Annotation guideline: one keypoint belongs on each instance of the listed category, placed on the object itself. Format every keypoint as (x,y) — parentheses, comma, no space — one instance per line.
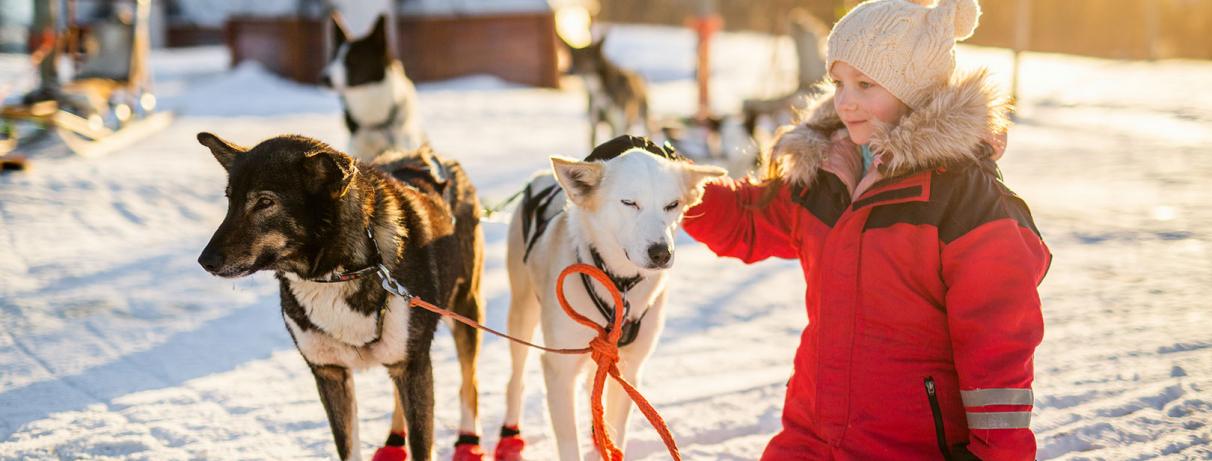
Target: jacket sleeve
(992,272)
(732,221)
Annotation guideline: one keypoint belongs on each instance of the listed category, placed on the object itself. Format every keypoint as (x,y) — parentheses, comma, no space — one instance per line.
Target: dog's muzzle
(660,255)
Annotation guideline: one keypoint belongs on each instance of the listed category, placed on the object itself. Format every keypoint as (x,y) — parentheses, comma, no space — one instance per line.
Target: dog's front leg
(560,372)
(336,388)
(414,382)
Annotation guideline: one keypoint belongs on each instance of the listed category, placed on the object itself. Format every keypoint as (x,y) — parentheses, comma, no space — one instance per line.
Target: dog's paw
(390,453)
(468,452)
(509,449)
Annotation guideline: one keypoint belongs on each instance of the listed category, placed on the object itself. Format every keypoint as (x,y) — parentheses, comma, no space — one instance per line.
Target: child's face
(859,100)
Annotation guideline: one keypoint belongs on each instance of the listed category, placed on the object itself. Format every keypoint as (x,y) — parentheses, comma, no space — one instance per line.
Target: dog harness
(428,169)
(535,217)
(534,214)
(630,327)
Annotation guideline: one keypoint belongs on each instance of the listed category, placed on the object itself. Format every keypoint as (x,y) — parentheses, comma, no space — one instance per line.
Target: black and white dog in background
(380,102)
(380,105)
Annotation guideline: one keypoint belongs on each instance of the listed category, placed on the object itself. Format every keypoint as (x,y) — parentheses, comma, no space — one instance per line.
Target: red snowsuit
(927,278)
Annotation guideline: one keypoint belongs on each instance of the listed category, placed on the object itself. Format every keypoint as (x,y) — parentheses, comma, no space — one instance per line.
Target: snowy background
(114,343)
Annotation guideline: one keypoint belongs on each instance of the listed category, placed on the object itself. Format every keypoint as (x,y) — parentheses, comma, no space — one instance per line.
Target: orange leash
(603,349)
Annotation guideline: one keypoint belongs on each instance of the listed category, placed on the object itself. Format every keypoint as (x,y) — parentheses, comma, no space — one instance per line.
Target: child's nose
(844,103)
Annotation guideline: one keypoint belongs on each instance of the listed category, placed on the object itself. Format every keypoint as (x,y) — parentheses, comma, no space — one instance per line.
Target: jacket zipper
(931,394)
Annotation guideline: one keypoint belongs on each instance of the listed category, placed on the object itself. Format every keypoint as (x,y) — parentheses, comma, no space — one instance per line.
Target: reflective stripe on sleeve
(999,420)
(1005,396)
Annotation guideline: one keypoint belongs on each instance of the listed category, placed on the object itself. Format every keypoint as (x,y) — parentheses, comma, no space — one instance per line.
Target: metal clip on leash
(392,285)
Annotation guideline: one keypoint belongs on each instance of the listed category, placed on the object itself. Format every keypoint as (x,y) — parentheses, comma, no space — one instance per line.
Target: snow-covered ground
(115,344)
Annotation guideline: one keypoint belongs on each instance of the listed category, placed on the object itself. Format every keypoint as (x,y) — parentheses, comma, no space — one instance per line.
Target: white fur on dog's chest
(341,330)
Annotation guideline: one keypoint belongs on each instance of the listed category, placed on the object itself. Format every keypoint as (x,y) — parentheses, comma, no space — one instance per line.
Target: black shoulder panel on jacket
(826,199)
(962,198)
(974,196)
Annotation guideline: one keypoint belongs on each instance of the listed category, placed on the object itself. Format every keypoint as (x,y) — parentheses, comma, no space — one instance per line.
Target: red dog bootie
(393,450)
(510,447)
(467,448)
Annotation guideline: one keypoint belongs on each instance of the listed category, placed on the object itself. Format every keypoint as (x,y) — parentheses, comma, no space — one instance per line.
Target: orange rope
(603,349)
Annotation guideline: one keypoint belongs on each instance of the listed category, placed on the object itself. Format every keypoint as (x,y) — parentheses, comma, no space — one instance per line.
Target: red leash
(604,351)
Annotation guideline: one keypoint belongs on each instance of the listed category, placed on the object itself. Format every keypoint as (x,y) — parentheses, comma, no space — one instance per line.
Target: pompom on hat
(908,47)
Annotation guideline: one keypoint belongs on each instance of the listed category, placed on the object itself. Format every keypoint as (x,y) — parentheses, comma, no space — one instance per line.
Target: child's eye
(836,83)
(865,85)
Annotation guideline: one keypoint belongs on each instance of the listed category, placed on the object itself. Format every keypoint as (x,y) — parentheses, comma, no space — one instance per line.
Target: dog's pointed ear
(224,151)
(378,35)
(578,179)
(331,171)
(339,35)
(696,175)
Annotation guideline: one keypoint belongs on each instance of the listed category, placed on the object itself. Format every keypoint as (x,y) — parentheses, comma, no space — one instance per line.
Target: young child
(921,266)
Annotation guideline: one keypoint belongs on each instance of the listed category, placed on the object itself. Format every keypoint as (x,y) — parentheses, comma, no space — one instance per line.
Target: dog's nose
(659,254)
(210,261)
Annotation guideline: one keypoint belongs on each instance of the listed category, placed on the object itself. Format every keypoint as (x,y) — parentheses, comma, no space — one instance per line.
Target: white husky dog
(620,215)
(380,101)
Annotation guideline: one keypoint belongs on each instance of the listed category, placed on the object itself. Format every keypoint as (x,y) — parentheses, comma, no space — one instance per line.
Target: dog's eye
(263,203)
(630,203)
(672,205)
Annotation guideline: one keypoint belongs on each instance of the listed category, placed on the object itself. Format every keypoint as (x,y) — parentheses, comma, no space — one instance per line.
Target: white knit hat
(908,47)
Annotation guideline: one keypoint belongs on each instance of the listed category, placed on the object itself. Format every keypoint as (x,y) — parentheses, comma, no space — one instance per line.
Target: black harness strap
(615,147)
(440,175)
(429,169)
(630,327)
(534,207)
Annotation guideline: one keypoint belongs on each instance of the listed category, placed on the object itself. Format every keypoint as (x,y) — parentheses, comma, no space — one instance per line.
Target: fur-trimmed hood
(949,128)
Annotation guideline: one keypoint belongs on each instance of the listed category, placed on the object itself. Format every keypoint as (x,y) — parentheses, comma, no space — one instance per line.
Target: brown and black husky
(323,223)
(616,96)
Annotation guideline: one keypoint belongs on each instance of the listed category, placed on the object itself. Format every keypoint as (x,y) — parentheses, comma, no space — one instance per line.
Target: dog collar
(375,267)
(388,282)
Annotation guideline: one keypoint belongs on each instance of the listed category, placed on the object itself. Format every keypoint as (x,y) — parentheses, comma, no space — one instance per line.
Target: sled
(106,105)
